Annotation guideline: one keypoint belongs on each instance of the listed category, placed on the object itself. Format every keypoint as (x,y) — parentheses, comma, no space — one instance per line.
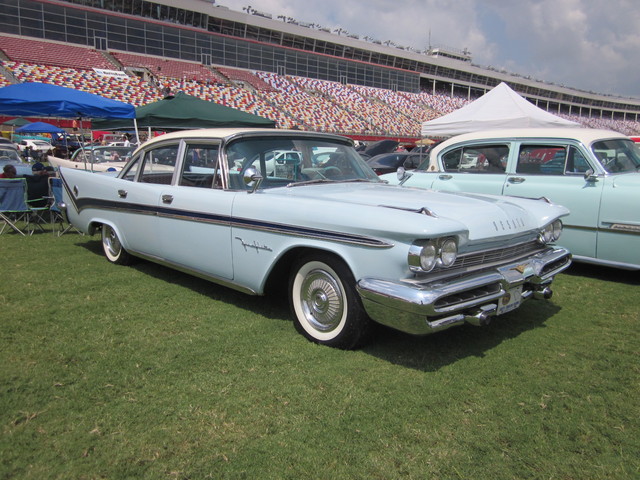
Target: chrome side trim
(195,273)
(625,228)
(621,228)
(606,263)
(81,204)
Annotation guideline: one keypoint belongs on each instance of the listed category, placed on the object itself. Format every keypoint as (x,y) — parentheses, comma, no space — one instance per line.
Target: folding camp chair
(14,206)
(55,194)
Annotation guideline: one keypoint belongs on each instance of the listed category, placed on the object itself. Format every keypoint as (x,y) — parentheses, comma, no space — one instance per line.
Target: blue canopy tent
(42,99)
(39,127)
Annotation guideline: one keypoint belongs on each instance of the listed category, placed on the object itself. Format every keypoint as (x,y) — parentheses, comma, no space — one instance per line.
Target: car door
(557,171)
(478,168)
(135,213)
(194,225)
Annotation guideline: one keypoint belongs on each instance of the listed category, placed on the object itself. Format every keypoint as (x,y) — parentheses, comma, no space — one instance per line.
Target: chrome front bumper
(426,307)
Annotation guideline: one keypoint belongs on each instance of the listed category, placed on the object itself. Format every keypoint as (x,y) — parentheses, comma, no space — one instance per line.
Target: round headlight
(428,257)
(557,229)
(547,234)
(448,252)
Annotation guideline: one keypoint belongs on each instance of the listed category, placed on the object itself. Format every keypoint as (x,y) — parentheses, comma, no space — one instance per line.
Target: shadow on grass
(269,307)
(607,274)
(432,352)
(425,353)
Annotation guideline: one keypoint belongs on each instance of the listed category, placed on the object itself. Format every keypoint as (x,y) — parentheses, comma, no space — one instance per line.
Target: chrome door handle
(122,193)
(167,198)
(445,177)
(516,180)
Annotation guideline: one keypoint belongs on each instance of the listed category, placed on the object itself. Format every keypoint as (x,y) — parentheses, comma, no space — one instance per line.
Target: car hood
(407,209)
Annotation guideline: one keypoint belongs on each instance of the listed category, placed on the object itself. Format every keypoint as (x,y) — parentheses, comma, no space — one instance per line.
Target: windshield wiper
(329,180)
(311,182)
(356,180)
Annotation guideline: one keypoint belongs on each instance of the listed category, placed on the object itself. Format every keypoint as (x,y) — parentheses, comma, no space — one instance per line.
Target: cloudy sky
(587,44)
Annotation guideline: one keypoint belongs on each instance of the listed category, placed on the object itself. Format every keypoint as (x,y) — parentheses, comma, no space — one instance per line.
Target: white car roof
(220,133)
(584,135)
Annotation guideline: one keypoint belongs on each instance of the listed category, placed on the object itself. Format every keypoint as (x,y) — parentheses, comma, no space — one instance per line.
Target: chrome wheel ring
(111,242)
(322,300)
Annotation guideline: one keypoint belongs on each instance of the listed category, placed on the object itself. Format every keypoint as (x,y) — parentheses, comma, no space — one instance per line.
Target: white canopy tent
(501,107)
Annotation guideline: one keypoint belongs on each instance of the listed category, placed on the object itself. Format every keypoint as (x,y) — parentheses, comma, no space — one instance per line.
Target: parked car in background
(592,172)
(64,144)
(276,160)
(36,149)
(96,159)
(390,162)
(11,155)
(378,147)
(6,142)
(348,248)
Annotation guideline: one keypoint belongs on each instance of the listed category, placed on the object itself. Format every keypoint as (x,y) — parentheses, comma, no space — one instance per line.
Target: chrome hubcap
(111,242)
(322,300)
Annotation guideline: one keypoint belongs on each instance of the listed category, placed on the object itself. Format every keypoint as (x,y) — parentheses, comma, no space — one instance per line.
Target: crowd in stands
(293,102)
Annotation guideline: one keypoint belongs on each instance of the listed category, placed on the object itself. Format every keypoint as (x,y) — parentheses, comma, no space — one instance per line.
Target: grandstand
(296,74)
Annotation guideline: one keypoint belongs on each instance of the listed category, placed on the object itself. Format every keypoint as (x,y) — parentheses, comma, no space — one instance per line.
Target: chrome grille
(467,296)
(500,255)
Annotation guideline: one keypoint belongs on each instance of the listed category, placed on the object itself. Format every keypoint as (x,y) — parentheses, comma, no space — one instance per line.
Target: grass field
(143,372)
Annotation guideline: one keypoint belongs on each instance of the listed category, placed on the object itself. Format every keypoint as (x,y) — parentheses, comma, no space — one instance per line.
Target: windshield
(103,154)
(618,155)
(289,161)
(9,155)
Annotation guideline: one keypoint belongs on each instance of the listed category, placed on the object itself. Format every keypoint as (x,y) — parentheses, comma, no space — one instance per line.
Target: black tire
(325,305)
(113,248)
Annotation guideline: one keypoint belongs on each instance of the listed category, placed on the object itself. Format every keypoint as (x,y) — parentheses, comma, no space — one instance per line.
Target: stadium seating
(130,89)
(169,67)
(52,53)
(244,76)
(293,102)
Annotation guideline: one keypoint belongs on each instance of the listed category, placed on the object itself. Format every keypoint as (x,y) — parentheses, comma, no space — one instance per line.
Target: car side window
(576,162)
(200,167)
(159,165)
(132,170)
(477,159)
(542,159)
(451,160)
(551,160)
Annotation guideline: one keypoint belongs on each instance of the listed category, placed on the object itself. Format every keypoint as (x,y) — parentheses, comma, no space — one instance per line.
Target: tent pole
(135,125)
(84,155)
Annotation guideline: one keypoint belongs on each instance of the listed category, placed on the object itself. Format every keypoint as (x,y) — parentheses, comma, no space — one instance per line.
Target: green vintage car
(592,172)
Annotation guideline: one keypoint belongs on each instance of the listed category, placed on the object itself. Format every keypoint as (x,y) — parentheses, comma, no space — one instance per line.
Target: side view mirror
(590,177)
(252,178)
(403,175)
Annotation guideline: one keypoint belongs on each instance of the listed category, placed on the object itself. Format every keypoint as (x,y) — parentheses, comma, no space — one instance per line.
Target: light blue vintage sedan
(227,206)
(592,172)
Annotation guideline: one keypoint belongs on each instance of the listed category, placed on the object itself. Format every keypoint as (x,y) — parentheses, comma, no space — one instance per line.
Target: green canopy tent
(183,111)
(17,122)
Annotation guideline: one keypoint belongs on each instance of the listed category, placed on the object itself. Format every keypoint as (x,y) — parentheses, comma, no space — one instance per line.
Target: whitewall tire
(325,304)
(112,247)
